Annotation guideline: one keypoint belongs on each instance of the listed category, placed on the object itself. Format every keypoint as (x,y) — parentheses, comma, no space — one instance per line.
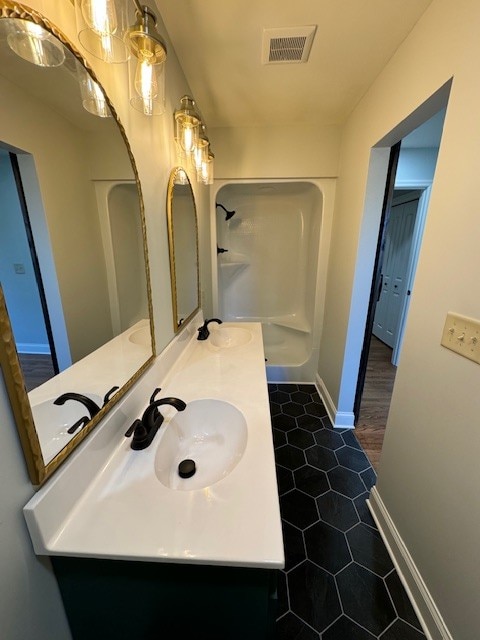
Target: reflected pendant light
(33,43)
(93,98)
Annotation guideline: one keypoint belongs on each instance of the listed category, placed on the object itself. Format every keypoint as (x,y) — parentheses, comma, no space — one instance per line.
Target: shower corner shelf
(290,322)
(231,269)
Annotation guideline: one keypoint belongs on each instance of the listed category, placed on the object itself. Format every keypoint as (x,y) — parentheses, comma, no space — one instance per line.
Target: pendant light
(187,124)
(93,98)
(33,43)
(101,26)
(200,153)
(146,67)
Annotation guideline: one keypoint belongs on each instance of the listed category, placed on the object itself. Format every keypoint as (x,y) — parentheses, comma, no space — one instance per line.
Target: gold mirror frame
(9,361)
(173,251)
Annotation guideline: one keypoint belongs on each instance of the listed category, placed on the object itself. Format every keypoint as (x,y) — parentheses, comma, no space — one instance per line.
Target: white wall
(294,151)
(417,165)
(429,472)
(30,605)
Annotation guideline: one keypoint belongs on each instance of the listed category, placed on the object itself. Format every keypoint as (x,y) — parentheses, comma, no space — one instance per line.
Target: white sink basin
(221,336)
(212,433)
(53,421)
(141,337)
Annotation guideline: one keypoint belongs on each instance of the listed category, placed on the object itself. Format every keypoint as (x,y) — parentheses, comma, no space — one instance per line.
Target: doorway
(399,246)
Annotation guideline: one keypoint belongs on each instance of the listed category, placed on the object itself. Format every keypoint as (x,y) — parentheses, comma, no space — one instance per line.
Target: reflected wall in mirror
(183,245)
(75,312)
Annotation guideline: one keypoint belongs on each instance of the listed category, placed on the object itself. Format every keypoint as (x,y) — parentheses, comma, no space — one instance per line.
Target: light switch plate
(462,335)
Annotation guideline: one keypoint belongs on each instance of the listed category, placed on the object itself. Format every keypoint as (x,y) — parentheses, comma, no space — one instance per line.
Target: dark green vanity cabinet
(125,600)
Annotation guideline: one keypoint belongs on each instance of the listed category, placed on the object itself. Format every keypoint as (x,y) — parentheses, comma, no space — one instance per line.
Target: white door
(398,245)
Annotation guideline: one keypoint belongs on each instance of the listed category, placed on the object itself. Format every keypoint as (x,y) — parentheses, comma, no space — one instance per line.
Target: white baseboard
(417,591)
(339,419)
(33,348)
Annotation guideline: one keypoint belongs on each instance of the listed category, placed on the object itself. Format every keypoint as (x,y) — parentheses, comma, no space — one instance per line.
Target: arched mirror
(183,244)
(75,306)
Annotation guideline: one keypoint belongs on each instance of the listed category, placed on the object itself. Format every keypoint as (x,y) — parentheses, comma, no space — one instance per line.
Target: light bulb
(188,138)
(146,85)
(100,15)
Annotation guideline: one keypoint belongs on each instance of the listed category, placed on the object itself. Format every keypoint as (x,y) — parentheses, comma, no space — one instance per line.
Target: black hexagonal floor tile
(279,397)
(327,547)
(402,604)
(283,422)
(337,510)
(298,509)
(402,631)
(327,423)
(300,397)
(368,549)
(293,545)
(284,480)
(309,423)
(345,629)
(300,438)
(279,438)
(289,457)
(292,628)
(352,459)
(363,511)
(289,387)
(321,458)
(365,598)
(351,439)
(316,409)
(308,388)
(330,439)
(345,481)
(313,595)
(311,481)
(282,594)
(275,409)
(369,478)
(293,409)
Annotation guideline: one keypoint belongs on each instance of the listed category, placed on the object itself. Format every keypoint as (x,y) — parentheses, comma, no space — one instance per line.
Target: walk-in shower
(271,259)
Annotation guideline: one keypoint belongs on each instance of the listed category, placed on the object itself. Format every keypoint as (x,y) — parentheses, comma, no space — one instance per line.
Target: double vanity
(128,534)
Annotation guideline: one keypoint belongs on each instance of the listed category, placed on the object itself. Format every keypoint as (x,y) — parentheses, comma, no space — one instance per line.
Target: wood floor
(370,428)
(36,369)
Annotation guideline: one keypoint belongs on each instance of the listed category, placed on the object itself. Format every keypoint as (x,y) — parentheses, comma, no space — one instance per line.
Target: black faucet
(144,429)
(91,406)
(203,331)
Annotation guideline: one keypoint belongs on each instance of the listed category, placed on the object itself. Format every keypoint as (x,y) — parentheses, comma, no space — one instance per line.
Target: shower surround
(271,259)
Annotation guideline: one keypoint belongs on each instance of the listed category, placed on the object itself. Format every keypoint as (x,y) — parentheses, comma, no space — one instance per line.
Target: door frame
(377,274)
(426,187)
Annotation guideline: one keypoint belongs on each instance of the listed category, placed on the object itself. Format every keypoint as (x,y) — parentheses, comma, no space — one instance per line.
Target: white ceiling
(219,45)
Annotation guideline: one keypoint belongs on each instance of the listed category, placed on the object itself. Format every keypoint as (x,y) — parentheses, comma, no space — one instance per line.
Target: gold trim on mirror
(9,361)
(176,250)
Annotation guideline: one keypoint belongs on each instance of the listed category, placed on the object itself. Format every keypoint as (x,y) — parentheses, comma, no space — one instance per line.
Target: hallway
(377,392)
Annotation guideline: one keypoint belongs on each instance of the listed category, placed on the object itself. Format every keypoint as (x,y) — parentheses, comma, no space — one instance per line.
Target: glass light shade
(187,125)
(33,43)
(146,66)
(200,153)
(93,98)
(101,26)
(205,175)
(181,177)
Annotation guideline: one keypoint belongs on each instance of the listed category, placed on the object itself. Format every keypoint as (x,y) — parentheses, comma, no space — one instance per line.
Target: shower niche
(271,260)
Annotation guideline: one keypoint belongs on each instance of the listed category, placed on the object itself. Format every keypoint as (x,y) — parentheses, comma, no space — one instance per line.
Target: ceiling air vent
(287,44)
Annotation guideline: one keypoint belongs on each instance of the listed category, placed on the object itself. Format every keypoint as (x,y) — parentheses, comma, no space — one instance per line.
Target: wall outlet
(462,335)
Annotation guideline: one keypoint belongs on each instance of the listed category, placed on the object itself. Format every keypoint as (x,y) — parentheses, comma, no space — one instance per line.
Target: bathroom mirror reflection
(75,312)
(183,244)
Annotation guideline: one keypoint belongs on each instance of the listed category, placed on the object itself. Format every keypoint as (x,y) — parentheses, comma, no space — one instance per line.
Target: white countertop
(125,512)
